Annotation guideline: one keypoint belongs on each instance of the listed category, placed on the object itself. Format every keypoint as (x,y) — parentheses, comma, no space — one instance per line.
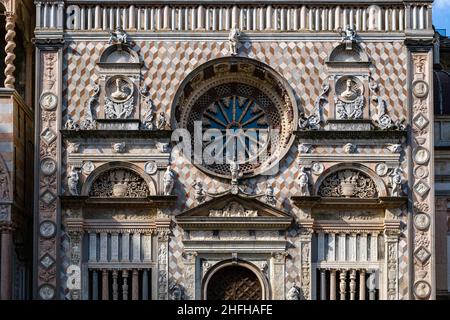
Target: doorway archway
(231,281)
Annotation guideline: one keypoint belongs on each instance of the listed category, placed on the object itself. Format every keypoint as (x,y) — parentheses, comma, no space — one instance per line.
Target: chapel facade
(324,110)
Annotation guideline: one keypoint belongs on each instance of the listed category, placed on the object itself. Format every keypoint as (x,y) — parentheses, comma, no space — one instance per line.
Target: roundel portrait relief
(236,110)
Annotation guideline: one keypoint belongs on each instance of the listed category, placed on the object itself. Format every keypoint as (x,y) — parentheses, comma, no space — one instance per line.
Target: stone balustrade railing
(180,17)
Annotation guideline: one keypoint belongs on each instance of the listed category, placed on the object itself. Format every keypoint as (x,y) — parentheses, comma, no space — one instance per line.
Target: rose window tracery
(246,115)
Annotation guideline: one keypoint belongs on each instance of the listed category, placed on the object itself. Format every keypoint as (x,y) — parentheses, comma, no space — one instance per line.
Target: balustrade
(221,17)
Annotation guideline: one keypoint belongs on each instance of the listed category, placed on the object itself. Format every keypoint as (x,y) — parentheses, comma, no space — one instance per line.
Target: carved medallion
(88,167)
(420,121)
(421,172)
(47,292)
(48,166)
(48,136)
(49,101)
(422,289)
(47,261)
(422,221)
(348,88)
(381,169)
(420,88)
(421,188)
(47,229)
(150,167)
(317,168)
(421,155)
(119,89)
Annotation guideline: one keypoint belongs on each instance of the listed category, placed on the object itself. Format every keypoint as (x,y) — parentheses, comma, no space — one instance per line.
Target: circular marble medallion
(421,172)
(421,155)
(381,169)
(47,229)
(47,292)
(420,88)
(317,168)
(48,166)
(150,167)
(422,221)
(49,101)
(422,289)
(88,167)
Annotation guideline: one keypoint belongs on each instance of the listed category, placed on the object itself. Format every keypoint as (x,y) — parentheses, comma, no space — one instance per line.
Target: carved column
(125,284)
(391,263)
(323,285)
(9,50)
(105,287)
(332,284)
(353,284)
(343,284)
(135,285)
(421,217)
(6,263)
(190,275)
(277,275)
(74,269)
(47,183)
(162,227)
(305,251)
(362,284)
(115,285)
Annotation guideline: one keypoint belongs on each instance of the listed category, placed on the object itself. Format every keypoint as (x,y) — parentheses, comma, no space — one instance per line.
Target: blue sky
(441,15)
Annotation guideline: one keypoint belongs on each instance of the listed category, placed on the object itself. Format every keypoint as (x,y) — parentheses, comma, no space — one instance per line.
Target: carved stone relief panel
(48,189)
(423,184)
(119,183)
(348,183)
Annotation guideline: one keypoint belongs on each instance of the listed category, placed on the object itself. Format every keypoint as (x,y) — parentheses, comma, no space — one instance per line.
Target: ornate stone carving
(4,182)
(73,180)
(422,289)
(348,37)
(304,147)
(293,293)
(234,37)
(317,168)
(73,147)
(70,124)
(119,101)
(315,120)
(119,147)
(420,89)
(49,101)
(422,221)
(119,36)
(47,292)
(150,167)
(421,155)
(200,193)
(269,196)
(148,121)
(176,292)
(47,229)
(163,147)
(381,169)
(392,270)
(161,123)
(349,148)
(303,181)
(348,183)
(9,50)
(233,209)
(88,167)
(349,100)
(394,147)
(89,123)
(119,183)
(397,182)
(305,270)
(168,181)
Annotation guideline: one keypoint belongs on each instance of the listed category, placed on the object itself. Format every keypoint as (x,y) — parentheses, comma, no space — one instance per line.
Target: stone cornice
(95,134)
(348,203)
(394,135)
(234,223)
(148,202)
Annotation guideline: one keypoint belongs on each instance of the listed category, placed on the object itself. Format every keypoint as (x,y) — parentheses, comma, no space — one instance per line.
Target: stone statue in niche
(303,181)
(396,182)
(118,36)
(168,181)
(72,181)
(372,22)
(293,293)
(233,40)
(349,100)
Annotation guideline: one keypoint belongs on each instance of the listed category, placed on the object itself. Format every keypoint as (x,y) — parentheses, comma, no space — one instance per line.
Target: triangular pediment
(234,206)
(234,212)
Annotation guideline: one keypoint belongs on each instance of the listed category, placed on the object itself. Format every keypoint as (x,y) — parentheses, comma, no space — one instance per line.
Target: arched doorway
(234,282)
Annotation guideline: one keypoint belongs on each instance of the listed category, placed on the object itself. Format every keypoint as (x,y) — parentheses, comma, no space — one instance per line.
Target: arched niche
(342,55)
(125,173)
(364,171)
(223,265)
(119,54)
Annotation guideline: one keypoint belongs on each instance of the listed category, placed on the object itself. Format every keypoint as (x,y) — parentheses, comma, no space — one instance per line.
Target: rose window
(243,114)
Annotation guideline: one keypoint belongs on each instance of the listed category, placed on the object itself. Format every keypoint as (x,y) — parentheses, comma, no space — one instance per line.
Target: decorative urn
(348,189)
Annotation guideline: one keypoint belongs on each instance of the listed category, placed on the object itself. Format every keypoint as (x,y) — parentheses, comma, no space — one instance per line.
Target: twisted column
(9,49)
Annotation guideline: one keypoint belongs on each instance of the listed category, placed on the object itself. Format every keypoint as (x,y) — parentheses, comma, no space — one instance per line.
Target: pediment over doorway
(234,212)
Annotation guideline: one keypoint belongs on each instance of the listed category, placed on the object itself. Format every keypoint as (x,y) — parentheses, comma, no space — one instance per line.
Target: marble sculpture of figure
(168,181)
(304,182)
(396,181)
(73,181)
(233,39)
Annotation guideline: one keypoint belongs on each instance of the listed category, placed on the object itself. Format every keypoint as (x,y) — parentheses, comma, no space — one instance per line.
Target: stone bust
(349,94)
